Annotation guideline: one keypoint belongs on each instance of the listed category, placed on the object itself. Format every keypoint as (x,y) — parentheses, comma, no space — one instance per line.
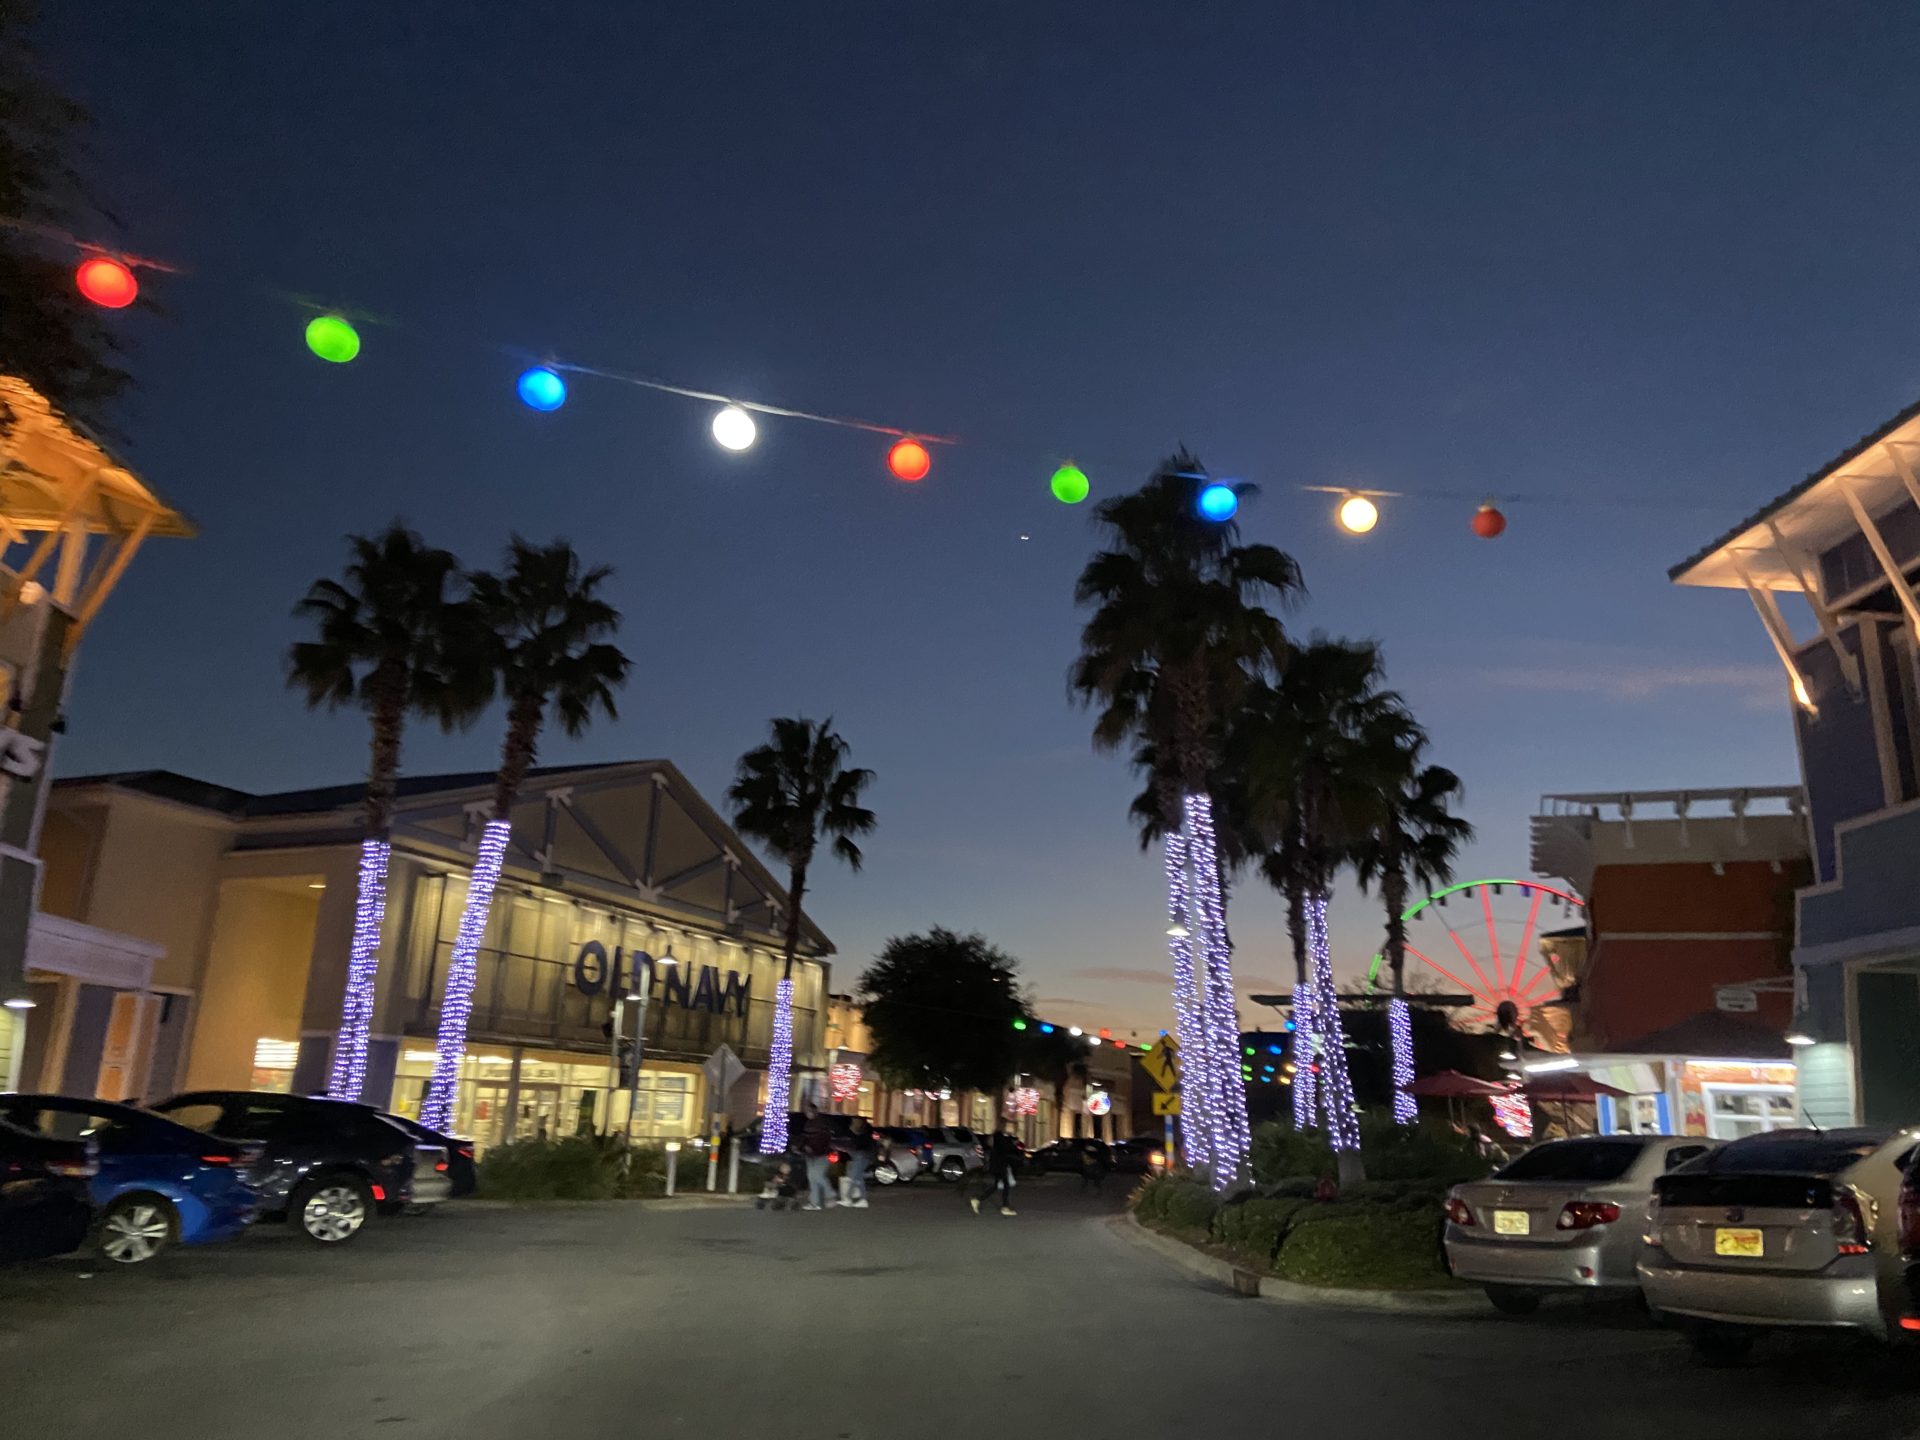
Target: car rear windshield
(1579,1160)
(1789,1155)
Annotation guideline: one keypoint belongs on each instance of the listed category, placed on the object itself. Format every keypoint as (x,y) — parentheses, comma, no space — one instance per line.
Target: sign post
(1162,1064)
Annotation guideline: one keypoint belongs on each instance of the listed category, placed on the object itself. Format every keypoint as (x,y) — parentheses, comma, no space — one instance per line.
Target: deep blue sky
(1575,251)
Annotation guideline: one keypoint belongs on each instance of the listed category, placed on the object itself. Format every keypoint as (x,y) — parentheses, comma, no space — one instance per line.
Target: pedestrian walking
(1093,1167)
(860,1148)
(816,1147)
(1001,1158)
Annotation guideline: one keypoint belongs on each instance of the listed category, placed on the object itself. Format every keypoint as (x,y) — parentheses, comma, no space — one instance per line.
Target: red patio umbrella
(1570,1085)
(1453,1085)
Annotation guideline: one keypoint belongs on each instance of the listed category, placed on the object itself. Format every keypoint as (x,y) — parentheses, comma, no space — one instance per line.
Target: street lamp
(644,974)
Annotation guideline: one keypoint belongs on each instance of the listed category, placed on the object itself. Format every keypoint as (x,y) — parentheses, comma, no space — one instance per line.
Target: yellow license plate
(1510,1222)
(1747,1243)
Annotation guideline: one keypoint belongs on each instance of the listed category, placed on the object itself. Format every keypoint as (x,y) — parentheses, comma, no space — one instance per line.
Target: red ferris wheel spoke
(1487,991)
(1493,939)
(1525,997)
(1522,955)
(1431,964)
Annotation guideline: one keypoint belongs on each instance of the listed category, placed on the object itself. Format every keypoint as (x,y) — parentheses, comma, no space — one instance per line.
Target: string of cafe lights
(106,276)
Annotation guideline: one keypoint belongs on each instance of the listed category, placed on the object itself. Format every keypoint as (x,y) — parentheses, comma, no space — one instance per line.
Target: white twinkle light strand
(1305,1052)
(348,1076)
(1406,1109)
(773,1122)
(456,1005)
(1220,1017)
(1186,1014)
(1336,1087)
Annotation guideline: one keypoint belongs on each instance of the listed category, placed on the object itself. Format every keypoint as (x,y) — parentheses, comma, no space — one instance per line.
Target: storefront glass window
(273,1065)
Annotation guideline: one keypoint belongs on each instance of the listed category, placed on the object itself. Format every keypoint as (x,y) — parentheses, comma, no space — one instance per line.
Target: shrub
(1362,1247)
(576,1168)
(1190,1205)
(1149,1199)
(1429,1151)
(1253,1229)
(1281,1152)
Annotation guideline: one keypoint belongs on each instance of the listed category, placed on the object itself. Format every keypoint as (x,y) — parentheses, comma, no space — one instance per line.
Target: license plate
(1510,1222)
(1747,1243)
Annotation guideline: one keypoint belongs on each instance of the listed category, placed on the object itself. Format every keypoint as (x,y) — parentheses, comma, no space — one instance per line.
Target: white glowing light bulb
(733,428)
(1358,514)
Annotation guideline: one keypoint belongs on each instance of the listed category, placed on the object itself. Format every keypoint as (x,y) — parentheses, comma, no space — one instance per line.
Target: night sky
(1647,263)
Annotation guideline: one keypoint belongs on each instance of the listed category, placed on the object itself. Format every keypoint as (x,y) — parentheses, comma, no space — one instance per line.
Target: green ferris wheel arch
(1489,991)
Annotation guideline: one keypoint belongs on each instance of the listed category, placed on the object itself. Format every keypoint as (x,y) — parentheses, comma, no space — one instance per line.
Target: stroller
(780,1192)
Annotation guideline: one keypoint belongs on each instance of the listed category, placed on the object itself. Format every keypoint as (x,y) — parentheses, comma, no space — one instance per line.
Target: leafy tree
(1178,636)
(50,336)
(941,1008)
(791,794)
(542,628)
(393,641)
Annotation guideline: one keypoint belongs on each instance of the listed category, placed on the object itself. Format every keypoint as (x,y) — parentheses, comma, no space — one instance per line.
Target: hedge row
(1377,1235)
(574,1168)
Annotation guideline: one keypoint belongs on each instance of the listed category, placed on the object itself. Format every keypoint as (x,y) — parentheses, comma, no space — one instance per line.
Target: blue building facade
(1843,548)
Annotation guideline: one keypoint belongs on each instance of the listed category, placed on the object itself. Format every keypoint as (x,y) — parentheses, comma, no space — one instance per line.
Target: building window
(273,1065)
(1747,1110)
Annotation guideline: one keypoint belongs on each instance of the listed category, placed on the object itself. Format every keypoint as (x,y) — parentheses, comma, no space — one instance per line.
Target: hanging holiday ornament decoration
(541,388)
(1357,514)
(1217,502)
(1069,484)
(733,429)
(1488,522)
(909,460)
(332,339)
(106,282)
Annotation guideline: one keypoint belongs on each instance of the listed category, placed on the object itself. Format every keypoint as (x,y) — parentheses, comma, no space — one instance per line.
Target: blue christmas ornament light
(1218,502)
(542,388)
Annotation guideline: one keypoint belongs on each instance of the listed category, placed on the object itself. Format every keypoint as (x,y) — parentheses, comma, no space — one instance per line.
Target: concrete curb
(1286,1292)
(693,1200)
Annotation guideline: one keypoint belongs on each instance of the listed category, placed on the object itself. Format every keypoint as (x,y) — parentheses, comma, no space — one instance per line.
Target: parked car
(1565,1215)
(899,1154)
(1797,1228)
(1140,1155)
(463,1174)
(157,1183)
(951,1151)
(44,1206)
(1907,1220)
(1072,1152)
(326,1164)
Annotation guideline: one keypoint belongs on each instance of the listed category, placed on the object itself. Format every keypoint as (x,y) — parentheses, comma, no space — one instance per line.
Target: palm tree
(1177,638)
(790,794)
(1318,750)
(543,627)
(389,644)
(1413,842)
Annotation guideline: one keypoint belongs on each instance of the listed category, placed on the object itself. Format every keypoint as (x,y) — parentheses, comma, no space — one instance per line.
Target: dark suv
(326,1164)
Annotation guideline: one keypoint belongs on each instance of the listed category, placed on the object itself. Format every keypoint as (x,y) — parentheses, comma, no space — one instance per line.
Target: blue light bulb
(542,389)
(1218,502)
(1046,1029)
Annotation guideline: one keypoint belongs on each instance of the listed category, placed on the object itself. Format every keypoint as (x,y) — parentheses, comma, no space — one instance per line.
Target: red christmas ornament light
(106,282)
(1488,521)
(909,460)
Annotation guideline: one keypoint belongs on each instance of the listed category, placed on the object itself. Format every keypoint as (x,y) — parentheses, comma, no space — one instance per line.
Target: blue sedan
(159,1183)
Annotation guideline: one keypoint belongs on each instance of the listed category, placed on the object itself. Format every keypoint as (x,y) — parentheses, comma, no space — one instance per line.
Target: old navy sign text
(594,973)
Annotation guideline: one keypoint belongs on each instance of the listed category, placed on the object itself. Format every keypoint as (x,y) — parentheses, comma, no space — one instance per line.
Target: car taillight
(441,1166)
(216,1159)
(1156,1158)
(1852,1232)
(1458,1212)
(75,1169)
(1585,1214)
(466,1151)
(379,1193)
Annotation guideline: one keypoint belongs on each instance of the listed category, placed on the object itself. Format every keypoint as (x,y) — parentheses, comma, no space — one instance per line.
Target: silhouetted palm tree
(1319,750)
(1412,842)
(790,794)
(543,631)
(390,643)
(1177,638)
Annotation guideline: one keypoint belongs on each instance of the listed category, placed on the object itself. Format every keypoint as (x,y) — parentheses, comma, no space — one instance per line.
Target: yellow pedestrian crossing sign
(1162,1064)
(1165,1104)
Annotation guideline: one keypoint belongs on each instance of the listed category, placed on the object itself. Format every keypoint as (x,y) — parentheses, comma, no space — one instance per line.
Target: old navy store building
(237,909)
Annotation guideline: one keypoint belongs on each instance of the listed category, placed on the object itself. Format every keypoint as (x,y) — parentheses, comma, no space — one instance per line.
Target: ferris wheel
(1481,937)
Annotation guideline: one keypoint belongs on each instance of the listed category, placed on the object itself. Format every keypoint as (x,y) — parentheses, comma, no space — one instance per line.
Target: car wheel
(886,1173)
(136,1228)
(332,1209)
(1512,1300)
(1721,1345)
(952,1169)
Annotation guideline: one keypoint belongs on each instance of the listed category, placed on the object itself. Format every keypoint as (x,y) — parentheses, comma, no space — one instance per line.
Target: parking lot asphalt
(913,1318)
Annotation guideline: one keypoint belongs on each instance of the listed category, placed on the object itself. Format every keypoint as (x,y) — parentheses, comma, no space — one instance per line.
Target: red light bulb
(106,282)
(909,460)
(1488,522)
